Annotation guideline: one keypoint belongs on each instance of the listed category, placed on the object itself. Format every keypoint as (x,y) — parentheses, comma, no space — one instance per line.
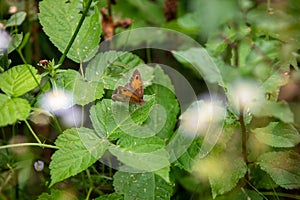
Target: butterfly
(132,92)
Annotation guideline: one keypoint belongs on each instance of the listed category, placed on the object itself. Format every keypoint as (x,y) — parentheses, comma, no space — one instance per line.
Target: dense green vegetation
(217,118)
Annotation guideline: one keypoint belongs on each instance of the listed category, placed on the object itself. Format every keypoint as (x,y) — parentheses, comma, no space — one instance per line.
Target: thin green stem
(81,70)
(89,193)
(148,53)
(57,124)
(244,140)
(86,9)
(292,196)
(21,55)
(256,190)
(109,7)
(90,183)
(89,177)
(32,132)
(28,144)
(25,62)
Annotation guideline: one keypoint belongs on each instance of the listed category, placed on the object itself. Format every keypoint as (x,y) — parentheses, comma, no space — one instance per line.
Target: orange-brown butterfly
(132,92)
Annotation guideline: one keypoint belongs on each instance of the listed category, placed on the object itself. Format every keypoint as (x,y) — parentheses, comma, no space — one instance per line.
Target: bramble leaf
(164,117)
(214,166)
(112,196)
(280,110)
(59,20)
(150,161)
(224,182)
(16,19)
(111,66)
(278,134)
(13,109)
(241,194)
(79,148)
(57,194)
(198,58)
(16,41)
(110,119)
(141,153)
(283,167)
(18,80)
(141,186)
(83,92)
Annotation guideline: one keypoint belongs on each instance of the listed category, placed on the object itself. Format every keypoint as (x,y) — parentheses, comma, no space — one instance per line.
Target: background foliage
(257,154)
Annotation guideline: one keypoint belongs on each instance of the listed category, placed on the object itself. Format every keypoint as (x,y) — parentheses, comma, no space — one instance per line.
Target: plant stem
(21,55)
(244,140)
(25,62)
(148,54)
(32,132)
(81,70)
(292,196)
(57,124)
(109,7)
(89,193)
(86,9)
(28,144)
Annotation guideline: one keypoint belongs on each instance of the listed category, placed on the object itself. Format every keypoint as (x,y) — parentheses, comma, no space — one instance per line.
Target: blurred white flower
(56,101)
(5,39)
(200,116)
(72,117)
(246,94)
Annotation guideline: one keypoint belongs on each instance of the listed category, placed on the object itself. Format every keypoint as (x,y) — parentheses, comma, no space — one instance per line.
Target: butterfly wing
(136,84)
(125,94)
(132,92)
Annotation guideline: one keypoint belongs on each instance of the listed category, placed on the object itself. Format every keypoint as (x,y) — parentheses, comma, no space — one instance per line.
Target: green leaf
(198,58)
(274,82)
(59,20)
(186,160)
(261,179)
(142,186)
(79,148)
(278,134)
(112,196)
(167,105)
(133,122)
(280,110)
(241,194)
(13,109)
(16,19)
(224,182)
(164,173)
(141,145)
(141,12)
(113,118)
(101,117)
(283,167)
(280,24)
(18,80)
(83,92)
(16,41)
(111,67)
(142,153)
(149,161)
(160,78)
(57,195)
(223,170)
(209,15)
